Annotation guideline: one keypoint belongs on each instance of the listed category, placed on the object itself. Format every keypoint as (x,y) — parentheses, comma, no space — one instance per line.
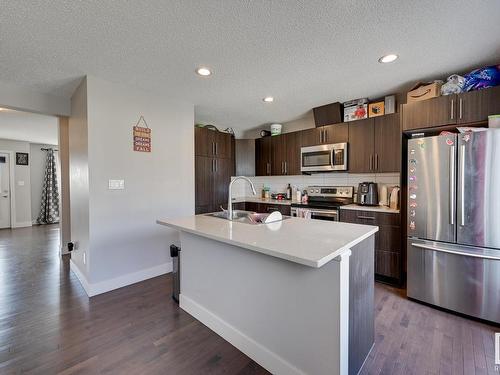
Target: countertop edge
(355,207)
(314,264)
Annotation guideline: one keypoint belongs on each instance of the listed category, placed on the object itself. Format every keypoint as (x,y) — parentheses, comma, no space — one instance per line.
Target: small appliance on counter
(367,194)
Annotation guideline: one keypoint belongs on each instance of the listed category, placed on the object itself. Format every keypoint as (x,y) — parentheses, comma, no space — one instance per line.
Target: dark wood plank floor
(49,326)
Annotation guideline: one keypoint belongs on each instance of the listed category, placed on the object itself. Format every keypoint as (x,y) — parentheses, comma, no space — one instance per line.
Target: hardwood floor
(49,326)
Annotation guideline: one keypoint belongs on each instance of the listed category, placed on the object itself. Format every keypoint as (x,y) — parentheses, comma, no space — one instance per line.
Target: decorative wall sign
(21,158)
(142,136)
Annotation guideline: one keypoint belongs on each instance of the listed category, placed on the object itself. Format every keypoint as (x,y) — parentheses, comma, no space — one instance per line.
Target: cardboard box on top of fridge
(423,91)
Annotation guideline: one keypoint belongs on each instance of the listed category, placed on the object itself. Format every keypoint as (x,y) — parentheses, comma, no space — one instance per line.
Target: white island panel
(290,318)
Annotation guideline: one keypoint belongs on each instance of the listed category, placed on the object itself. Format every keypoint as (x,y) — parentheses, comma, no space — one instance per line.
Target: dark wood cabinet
(387,143)
(375,145)
(328,114)
(263,156)
(476,106)
(264,207)
(214,166)
(278,155)
(336,133)
(293,145)
(311,137)
(388,249)
(429,113)
(464,108)
(361,147)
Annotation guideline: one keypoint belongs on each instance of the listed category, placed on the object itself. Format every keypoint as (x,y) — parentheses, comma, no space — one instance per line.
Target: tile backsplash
(278,184)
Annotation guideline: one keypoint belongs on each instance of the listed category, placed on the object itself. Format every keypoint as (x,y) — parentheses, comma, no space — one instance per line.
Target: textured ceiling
(30,127)
(304,53)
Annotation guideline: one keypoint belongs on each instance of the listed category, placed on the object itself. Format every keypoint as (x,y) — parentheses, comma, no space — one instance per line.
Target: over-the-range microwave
(324,158)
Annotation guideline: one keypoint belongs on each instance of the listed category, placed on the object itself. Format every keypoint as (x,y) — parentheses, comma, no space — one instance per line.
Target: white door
(4,190)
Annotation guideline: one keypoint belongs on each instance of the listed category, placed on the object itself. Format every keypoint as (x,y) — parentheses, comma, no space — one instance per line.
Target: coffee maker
(368,194)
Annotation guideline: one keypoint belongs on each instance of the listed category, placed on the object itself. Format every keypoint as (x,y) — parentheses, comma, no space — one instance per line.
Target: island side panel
(284,315)
(361,303)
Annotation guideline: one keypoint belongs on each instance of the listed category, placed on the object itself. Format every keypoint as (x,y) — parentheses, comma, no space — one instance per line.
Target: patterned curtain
(49,210)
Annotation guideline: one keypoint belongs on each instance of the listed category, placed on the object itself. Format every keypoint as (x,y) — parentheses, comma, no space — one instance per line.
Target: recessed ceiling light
(388,58)
(3,109)
(268,99)
(205,72)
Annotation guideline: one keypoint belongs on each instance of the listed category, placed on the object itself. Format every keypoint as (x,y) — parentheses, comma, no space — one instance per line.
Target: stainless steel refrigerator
(454,222)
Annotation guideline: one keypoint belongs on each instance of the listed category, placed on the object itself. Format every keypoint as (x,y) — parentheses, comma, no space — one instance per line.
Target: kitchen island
(296,296)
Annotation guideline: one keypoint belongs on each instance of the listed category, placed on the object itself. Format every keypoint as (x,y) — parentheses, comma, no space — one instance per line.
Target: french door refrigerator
(454,222)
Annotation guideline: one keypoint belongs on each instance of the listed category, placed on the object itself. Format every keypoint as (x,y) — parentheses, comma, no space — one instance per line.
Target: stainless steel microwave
(324,158)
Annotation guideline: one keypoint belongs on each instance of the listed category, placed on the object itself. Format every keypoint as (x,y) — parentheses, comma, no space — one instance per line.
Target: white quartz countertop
(309,242)
(369,208)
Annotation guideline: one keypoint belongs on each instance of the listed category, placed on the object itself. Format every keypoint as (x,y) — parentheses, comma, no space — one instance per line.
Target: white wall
(79,180)
(22,217)
(125,243)
(18,97)
(38,159)
(305,122)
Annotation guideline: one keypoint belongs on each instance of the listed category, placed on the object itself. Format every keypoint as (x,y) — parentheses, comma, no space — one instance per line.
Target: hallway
(49,326)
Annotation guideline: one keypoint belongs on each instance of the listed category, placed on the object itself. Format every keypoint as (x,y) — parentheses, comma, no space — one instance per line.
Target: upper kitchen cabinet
(375,145)
(464,108)
(361,146)
(263,156)
(429,113)
(476,106)
(212,143)
(285,154)
(336,133)
(387,143)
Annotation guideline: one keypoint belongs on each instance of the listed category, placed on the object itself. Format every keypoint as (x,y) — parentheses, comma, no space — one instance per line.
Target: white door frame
(12,185)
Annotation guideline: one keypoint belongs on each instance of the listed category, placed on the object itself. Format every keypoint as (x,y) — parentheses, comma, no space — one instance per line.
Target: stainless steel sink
(247,217)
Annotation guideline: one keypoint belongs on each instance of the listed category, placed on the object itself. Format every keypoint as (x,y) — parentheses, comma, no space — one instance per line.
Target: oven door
(324,158)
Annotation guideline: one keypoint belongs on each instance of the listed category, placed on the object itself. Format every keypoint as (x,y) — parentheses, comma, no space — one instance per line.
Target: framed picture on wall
(21,158)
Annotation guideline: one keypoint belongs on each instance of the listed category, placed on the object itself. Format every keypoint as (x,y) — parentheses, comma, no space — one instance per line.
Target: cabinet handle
(326,136)
(320,135)
(267,168)
(460,110)
(452,111)
(371,163)
(282,169)
(215,148)
(215,165)
(285,168)
(366,217)
(376,162)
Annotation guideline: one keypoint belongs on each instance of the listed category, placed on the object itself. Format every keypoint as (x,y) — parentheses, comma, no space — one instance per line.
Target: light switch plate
(20,183)
(116,184)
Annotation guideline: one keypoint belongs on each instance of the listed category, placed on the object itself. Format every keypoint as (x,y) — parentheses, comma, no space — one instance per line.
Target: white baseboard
(22,224)
(260,354)
(93,289)
(80,276)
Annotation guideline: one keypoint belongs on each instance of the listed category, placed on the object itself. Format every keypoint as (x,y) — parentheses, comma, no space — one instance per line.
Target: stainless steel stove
(324,202)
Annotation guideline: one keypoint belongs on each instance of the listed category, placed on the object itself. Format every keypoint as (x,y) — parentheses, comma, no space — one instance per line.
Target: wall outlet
(20,183)
(116,184)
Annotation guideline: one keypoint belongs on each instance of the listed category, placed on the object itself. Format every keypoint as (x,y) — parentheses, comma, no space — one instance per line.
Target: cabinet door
(311,137)
(476,106)
(222,147)
(204,182)
(278,152)
(429,113)
(361,147)
(337,133)
(204,141)
(222,178)
(292,153)
(387,143)
(263,156)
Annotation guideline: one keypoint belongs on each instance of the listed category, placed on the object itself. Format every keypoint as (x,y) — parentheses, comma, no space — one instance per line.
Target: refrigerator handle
(462,184)
(452,185)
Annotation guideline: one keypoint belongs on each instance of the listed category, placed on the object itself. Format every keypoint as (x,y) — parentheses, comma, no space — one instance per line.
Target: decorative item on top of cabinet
(328,114)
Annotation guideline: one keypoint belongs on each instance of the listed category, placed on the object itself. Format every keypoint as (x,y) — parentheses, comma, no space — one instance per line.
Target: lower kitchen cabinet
(388,249)
(263,207)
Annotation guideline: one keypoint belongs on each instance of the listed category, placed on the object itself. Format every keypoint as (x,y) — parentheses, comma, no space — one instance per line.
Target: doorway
(5,190)
(34,172)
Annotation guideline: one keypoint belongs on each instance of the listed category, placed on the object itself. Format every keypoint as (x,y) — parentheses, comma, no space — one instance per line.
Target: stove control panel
(331,191)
